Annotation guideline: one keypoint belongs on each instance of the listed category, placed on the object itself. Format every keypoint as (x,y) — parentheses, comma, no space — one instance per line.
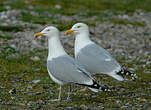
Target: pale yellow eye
(78,26)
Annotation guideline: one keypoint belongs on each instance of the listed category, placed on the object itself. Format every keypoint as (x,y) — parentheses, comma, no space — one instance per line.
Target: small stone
(12,91)
(13,46)
(30,7)
(3,17)
(58,6)
(36,81)
(84,107)
(8,7)
(1,86)
(30,103)
(118,101)
(41,102)
(69,107)
(35,58)
(125,17)
(12,97)
(22,104)
(125,106)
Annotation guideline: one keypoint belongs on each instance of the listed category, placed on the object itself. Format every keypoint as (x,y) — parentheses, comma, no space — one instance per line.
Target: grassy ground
(18,75)
(75,6)
(87,8)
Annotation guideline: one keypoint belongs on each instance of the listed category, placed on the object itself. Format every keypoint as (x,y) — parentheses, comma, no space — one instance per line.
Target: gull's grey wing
(67,70)
(96,59)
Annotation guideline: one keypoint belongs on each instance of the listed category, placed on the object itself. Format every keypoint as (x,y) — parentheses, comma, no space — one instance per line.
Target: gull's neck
(55,48)
(81,40)
(83,37)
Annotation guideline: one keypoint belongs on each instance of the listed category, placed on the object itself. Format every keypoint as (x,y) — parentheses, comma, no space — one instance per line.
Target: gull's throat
(81,40)
(55,49)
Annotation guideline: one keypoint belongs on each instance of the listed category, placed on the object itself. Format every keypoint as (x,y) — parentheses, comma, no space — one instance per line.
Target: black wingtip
(99,87)
(96,87)
(104,88)
(123,72)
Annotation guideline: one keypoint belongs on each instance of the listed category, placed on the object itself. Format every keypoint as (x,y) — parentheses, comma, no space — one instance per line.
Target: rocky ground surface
(126,37)
(128,40)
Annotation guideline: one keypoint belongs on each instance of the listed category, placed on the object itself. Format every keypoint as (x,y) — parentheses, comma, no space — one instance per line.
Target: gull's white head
(49,32)
(78,28)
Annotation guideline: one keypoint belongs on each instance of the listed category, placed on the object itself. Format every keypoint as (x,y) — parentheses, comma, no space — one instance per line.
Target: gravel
(120,40)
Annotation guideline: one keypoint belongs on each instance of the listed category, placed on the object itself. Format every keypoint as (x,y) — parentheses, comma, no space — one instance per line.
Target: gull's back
(95,59)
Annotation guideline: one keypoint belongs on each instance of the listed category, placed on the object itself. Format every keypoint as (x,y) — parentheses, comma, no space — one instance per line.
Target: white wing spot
(127,73)
(108,59)
(132,74)
(95,85)
(79,71)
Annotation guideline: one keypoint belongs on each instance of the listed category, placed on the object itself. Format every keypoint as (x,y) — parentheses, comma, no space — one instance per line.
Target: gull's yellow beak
(38,35)
(69,31)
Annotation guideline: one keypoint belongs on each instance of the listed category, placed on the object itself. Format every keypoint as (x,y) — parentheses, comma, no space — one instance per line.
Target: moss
(14,4)
(2,9)
(76,6)
(11,28)
(42,19)
(33,19)
(125,22)
(6,37)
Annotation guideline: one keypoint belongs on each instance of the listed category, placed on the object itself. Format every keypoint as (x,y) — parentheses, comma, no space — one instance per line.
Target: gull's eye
(48,29)
(78,26)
